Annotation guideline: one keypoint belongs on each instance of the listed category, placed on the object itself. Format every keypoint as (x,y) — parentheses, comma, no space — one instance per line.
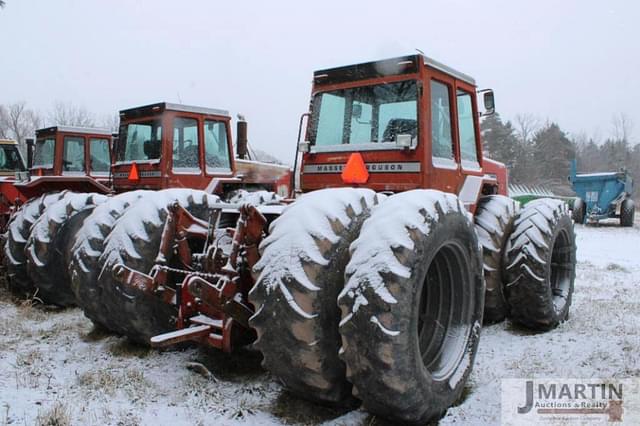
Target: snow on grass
(54,365)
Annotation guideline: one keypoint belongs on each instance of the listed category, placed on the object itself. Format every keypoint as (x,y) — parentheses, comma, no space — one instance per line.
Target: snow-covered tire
(48,247)
(258,197)
(134,242)
(87,248)
(16,237)
(494,222)
(412,306)
(301,273)
(579,211)
(541,265)
(627,213)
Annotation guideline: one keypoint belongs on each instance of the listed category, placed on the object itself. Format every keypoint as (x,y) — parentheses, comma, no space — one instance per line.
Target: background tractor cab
(395,125)
(11,160)
(72,151)
(66,157)
(168,145)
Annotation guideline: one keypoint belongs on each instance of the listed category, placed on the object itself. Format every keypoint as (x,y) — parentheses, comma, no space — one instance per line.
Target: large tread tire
(412,306)
(16,238)
(301,273)
(494,219)
(134,242)
(49,244)
(579,212)
(541,265)
(627,213)
(87,248)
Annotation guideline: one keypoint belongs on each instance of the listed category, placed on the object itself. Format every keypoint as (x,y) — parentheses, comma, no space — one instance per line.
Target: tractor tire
(87,249)
(134,242)
(494,222)
(48,247)
(541,265)
(412,306)
(579,211)
(627,213)
(301,273)
(258,197)
(16,237)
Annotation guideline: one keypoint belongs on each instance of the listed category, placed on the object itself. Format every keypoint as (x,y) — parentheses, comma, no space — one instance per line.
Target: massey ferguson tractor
(369,287)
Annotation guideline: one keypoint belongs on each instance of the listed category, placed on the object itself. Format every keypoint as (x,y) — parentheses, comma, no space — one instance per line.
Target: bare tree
(111,122)
(526,125)
(67,114)
(2,3)
(18,122)
(622,127)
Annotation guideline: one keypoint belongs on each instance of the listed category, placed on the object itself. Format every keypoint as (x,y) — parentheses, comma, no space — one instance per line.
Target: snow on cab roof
(391,66)
(76,129)
(178,107)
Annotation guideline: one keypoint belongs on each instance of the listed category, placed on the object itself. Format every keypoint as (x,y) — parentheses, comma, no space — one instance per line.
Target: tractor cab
(11,160)
(72,151)
(395,125)
(167,145)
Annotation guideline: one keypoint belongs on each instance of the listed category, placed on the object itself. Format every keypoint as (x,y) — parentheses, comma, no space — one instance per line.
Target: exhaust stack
(241,138)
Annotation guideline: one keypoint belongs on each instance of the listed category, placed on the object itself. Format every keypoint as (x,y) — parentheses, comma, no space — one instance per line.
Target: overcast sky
(576,62)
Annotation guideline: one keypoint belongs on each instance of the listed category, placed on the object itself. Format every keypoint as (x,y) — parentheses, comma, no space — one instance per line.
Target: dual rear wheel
(410,292)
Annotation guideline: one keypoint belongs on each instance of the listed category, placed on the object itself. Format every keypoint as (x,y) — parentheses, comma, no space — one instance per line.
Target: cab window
(186,156)
(73,154)
(442,141)
(43,154)
(216,146)
(468,150)
(99,154)
(10,159)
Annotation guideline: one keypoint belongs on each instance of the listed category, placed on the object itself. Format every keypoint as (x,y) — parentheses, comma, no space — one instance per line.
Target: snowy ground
(55,366)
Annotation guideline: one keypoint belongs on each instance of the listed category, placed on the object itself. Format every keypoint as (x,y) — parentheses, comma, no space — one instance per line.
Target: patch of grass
(57,415)
(110,381)
(30,368)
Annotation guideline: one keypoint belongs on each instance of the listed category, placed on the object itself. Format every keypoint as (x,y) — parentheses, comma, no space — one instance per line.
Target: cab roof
(8,142)
(393,66)
(167,106)
(75,129)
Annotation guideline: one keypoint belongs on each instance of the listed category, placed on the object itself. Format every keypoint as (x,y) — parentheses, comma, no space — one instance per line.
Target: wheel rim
(562,266)
(444,311)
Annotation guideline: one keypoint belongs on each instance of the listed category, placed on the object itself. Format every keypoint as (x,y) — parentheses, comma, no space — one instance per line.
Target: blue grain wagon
(602,196)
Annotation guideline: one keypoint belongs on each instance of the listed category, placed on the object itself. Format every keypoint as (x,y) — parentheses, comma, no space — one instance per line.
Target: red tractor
(372,285)
(159,146)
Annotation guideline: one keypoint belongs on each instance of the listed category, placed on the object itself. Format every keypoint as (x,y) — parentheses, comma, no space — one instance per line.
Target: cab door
(443,156)
(468,136)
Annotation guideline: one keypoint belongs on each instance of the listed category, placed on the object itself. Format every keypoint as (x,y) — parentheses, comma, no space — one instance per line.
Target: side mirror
(488,101)
(304,147)
(403,140)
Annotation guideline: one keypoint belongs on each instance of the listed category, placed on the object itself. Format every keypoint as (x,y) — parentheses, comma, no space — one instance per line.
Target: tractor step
(198,332)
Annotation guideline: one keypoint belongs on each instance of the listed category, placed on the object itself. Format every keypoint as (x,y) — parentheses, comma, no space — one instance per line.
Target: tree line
(19,122)
(539,152)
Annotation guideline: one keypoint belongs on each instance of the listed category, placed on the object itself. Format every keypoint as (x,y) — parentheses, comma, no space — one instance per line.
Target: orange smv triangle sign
(133,173)
(355,171)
